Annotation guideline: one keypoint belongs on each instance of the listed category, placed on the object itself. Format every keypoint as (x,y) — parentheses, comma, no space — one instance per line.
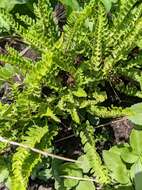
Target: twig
(102,125)
(78,178)
(24,51)
(111,122)
(16,38)
(65,138)
(46,154)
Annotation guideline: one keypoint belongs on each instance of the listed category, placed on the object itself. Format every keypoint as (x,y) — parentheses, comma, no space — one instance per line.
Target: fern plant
(68,79)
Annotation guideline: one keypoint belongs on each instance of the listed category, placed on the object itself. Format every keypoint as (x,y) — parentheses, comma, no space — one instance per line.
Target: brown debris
(60,15)
(66,79)
(122,130)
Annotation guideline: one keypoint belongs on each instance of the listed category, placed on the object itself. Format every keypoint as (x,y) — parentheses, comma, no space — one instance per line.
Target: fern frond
(39,71)
(100,30)
(121,50)
(125,7)
(128,24)
(20,177)
(130,90)
(86,135)
(25,19)
(108,112)
(75,22)
(14,58)
(8,18)
(45,13)
(131,73)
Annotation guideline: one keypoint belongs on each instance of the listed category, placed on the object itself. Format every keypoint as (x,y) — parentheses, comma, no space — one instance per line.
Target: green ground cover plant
(85,71)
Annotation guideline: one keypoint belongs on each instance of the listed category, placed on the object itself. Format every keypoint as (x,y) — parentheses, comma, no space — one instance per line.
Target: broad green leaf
(6,4)
(136,141)
(120,175)
(73,4)
(84,165)
(125,187)
(6,73)
(112,160)
(4,172)
(8,183)
(139,43)
(116,166)
(136,174)
(136,116)
(107,4)
(118,150)
(85,185)
(128,156)
(80,93)
(70,169)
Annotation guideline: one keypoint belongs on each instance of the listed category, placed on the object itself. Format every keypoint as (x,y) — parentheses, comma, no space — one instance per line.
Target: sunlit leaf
(70,169)
(73,4)
(116,166)
(6,4)
(136,116)
(80,93)
(85,185)
(136,141)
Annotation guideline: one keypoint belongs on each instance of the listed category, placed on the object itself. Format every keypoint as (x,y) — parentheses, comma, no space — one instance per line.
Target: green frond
(131,73)
(14,58)
(128,25)
(45,13)
(121,50)
(25,19)
(68,81)
(8,18)
(75,22)
(108,112)
(125,7)
(130,90)
(99,35)
(40,70)
(87,139)
(20,177)
(35,34)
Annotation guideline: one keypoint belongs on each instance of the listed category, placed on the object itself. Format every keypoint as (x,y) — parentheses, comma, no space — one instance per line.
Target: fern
(68,81)
(75,23)
(99,37)
(20,171)
(125,7)
(88,142)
